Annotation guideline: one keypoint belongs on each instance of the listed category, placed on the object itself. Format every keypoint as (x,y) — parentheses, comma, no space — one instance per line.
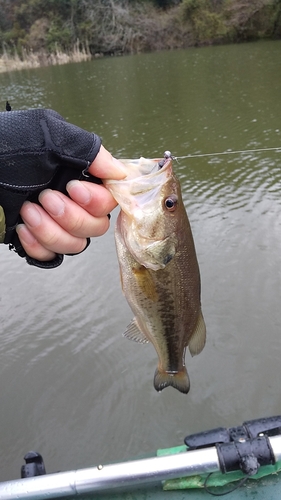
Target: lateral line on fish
(200,155)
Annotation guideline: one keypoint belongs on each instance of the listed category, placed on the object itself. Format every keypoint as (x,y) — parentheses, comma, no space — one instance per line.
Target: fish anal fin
(133,332)
(198,338)
(179,380)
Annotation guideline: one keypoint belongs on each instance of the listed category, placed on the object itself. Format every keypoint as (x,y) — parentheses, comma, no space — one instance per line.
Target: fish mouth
(141,187)
(142,175)
(144,166)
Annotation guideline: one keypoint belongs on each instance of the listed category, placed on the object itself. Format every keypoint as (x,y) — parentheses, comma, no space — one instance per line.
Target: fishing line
(201,155)
(235,487)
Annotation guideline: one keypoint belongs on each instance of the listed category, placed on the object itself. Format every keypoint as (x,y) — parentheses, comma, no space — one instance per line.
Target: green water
(70,386)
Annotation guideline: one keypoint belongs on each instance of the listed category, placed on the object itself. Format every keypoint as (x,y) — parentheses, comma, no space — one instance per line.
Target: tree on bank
(130,26)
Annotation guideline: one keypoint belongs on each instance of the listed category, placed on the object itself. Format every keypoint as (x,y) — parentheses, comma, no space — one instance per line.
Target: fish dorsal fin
(198,338)
(133,333)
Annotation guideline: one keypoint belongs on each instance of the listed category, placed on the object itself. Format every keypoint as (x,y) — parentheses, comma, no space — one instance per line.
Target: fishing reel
(245,448)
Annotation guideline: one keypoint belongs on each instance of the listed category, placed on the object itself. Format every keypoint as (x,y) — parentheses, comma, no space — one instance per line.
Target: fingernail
(25,235)
(52,202)
(31,216)
(78,192)
(119,165)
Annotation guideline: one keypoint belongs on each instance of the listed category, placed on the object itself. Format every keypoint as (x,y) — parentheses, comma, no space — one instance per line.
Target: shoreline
(31,60)
(42,59)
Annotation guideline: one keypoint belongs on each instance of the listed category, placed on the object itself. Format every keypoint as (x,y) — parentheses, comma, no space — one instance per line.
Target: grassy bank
(44,32)
(30,59)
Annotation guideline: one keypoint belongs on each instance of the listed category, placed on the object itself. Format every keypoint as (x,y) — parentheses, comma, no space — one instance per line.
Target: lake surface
(71,387)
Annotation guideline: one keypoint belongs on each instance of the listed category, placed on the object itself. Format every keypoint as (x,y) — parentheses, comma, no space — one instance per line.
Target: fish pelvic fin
(133,332)
(198,339)
(178,380)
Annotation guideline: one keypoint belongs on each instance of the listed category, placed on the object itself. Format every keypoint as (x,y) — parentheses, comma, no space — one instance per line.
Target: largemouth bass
(158,265)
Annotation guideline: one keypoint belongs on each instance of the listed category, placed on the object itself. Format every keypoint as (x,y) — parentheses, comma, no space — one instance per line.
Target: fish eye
(171,203)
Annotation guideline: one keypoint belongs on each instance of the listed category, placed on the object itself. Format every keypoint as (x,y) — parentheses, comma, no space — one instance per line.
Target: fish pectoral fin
(179,380)
(145,282)
(133,332)
(198,339)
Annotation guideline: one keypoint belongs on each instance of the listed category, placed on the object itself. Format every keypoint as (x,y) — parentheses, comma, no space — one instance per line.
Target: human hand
(64,224)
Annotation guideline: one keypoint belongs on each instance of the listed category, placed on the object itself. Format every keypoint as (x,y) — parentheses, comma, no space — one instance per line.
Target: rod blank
(118,476)
(108,477)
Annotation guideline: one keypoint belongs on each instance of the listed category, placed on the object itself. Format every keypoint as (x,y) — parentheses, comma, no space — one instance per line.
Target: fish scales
(158,266)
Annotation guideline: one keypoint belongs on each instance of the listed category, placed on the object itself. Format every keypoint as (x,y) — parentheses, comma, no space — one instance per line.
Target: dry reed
(30,59)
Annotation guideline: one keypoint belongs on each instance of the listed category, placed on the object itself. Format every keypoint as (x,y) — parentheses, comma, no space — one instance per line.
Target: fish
(159,270)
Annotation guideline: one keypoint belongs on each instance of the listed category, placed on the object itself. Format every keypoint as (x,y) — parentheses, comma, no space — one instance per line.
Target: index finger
(105,166)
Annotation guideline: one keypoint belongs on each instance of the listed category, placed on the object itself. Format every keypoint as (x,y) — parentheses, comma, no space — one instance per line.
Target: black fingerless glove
(39,150)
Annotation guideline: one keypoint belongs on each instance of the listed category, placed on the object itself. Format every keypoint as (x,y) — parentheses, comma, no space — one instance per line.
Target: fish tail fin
(178,380)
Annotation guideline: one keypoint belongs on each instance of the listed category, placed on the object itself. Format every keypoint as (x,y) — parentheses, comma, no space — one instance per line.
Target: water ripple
(71,385)
(247,182)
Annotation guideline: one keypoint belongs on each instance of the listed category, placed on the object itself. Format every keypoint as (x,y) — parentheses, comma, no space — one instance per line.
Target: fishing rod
(246,448)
